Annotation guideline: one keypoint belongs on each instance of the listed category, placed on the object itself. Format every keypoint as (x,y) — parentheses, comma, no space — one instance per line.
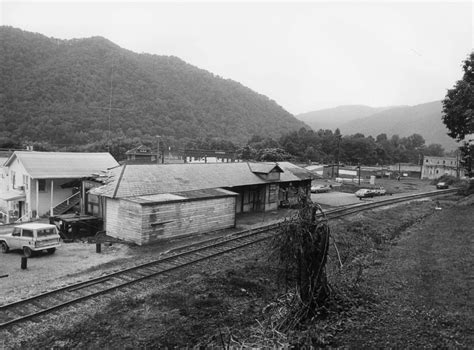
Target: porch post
(37,198)
(51,203)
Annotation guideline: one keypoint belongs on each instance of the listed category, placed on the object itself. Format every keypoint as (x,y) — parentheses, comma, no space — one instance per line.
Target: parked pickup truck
(31,238)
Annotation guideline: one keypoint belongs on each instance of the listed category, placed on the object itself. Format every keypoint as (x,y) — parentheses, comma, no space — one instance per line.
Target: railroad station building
(145,203)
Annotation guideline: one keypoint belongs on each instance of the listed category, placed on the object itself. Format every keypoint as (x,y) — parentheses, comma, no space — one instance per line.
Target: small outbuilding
(146,203)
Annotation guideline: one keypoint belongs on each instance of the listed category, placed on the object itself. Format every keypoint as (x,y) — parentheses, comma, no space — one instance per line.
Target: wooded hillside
(59,92)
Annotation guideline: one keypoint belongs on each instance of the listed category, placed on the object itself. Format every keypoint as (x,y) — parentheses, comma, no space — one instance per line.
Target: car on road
(320,188)
(365,193)
(442,185)
(371,192)
(31,238)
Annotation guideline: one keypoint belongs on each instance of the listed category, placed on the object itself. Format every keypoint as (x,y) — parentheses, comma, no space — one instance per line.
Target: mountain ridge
(75,91)
(424,119)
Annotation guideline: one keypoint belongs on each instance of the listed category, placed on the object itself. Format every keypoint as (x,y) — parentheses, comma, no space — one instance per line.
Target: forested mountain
(59,92)
(333,118)
(424,119)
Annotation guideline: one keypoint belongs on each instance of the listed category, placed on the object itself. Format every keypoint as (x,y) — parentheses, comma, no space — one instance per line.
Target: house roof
(148,179)
(56,165)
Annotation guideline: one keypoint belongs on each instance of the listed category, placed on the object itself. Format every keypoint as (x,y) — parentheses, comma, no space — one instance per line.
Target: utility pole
(358,168)
(337,154)
(158,149)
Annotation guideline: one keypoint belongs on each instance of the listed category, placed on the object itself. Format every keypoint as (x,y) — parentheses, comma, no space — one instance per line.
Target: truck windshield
(46,232)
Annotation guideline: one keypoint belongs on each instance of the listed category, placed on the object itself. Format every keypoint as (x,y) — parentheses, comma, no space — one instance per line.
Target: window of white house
(42,185)
(25,181)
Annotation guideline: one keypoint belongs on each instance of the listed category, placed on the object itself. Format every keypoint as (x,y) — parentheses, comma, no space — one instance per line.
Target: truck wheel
(27,252)
(5,248)
(51,250)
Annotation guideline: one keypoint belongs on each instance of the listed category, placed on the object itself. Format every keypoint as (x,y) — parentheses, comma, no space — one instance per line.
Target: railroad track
(352,209)
(50,301)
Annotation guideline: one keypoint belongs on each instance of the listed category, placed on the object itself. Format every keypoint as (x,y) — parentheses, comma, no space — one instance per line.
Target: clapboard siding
(148,223)
(123,220)
(188,217)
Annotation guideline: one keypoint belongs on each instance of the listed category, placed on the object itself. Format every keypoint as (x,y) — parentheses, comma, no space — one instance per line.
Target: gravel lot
(45,271)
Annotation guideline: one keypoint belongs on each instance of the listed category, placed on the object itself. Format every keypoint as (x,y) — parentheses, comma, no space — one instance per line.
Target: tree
(458,106)
(434,150)
(458,109)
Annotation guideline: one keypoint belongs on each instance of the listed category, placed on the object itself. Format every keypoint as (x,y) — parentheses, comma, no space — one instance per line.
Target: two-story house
(37,183)
(435,167)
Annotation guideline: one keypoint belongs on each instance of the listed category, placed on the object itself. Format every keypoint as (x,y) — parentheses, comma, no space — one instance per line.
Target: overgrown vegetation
(300,250)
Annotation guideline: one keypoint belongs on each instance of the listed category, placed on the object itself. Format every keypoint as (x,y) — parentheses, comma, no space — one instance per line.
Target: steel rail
(355,208)
(8,316)
(211,248)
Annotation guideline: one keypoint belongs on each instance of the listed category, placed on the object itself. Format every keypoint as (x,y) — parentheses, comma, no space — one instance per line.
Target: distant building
(405,170)
(435,167)
(141,155)
(208,156)
(146,155)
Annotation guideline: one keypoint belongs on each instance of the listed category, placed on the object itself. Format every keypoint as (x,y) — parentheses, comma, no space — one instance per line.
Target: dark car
(441,185)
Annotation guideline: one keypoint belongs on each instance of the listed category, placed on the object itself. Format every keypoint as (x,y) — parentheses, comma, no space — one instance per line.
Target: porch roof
(12,195)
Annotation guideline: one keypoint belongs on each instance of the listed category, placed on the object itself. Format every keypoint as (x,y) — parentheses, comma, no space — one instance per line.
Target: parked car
(441,185)
(320,188)
(365,193)
(371,192)
(379,191)
(31,238)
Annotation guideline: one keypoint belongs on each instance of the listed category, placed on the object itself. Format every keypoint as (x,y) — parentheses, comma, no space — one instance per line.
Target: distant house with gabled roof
(36,183)
(145,203)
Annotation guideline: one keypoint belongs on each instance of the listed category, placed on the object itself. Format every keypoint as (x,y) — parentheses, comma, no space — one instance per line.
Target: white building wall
(44,204)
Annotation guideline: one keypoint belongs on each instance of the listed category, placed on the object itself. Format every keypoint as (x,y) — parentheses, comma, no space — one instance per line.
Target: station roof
(149,179)
(182,196)
(62,165)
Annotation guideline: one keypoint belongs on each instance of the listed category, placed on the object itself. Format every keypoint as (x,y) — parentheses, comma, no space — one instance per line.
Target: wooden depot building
(148,202)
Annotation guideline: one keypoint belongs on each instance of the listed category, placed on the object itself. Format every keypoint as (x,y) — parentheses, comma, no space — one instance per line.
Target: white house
(33,184)
(435,167)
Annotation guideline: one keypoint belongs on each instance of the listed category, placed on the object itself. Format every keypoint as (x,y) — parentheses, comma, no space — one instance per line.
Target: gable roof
(56,165)
(149,179)
(264,168)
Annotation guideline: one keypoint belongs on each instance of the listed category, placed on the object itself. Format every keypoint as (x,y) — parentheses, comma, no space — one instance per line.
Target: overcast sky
(306,55)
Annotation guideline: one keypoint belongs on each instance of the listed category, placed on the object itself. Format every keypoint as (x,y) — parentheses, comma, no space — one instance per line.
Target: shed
(146,219)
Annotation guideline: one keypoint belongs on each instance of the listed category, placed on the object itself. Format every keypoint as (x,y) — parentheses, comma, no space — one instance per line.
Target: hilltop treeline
(92,94)
(326,146)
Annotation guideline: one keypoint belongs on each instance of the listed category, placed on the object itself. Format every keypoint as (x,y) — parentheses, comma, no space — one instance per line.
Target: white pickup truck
(31,238)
